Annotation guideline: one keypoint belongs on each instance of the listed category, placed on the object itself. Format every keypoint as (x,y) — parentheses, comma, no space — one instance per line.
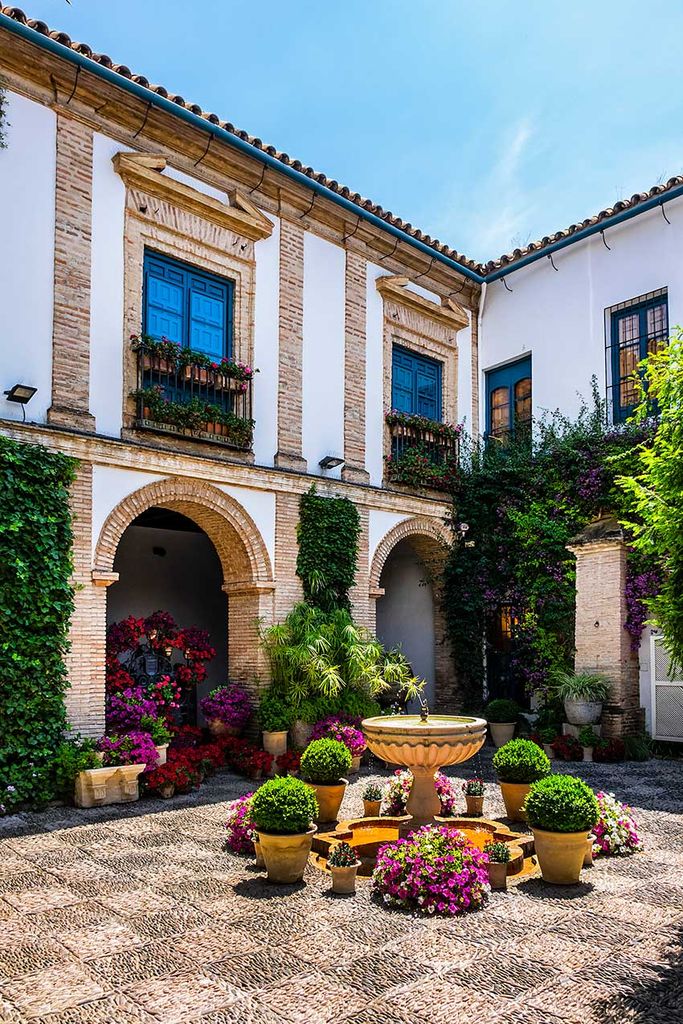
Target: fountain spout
(424,709)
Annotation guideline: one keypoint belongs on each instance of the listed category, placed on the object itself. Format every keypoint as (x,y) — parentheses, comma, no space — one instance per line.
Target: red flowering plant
(181,776)
(567,748)
(288,763)
(609,751)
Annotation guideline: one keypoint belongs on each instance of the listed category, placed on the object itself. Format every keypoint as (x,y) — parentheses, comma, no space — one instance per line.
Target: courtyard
(135,914)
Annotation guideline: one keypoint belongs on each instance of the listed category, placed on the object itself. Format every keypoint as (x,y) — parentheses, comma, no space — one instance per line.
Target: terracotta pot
(514,794)
(275,742)
(588,855)
(218,728)
(260,862)
(498,875)
(355,765)
(501,732)
(344,879)
(587,753)
(560,855)
(583,712)
(329,798)
(549,752)
(286,856)
(301,734)
(166,791)
(161,752)
(371,808)
(475,805)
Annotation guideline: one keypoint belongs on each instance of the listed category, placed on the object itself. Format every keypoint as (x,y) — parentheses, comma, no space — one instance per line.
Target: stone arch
(239,545)
(420,529)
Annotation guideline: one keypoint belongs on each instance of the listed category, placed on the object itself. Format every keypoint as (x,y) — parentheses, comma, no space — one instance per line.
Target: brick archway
(429,539)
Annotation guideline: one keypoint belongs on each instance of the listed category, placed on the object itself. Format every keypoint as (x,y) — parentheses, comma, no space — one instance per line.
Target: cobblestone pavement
(136,915)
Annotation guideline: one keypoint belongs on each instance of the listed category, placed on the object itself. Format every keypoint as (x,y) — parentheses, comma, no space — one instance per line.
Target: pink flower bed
(397,790)
(616,832)
(240,826)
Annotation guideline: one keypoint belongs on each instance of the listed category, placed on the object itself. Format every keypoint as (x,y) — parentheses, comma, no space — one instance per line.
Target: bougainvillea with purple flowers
(134,748)
(230,705)
(434,871)
(333,728)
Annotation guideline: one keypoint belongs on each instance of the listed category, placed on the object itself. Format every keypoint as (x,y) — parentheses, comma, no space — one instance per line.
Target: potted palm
(502,717)
(518,764)
(323,765)
(499,858)
(587,740)
(275,716)
(583,695)
(283,810)
(561,811)
(372,800)
(474,790)
(343,864)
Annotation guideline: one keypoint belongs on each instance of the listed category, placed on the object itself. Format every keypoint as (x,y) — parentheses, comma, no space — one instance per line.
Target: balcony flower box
(424,453)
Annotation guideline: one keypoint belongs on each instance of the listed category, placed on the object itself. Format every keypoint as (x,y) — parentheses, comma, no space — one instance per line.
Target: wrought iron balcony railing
(424,453)
(185,394)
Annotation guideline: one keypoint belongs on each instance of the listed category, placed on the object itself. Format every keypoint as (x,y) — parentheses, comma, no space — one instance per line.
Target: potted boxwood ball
(324,763)
(583,695)
(343,864)
(275,717)
(517,765)
(502,717)
(283,811)
(561,810)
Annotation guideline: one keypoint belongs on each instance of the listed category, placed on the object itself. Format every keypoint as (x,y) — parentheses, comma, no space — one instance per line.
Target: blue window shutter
(506,377)
(208,316)
(165,288)
(415,383)
(187,306)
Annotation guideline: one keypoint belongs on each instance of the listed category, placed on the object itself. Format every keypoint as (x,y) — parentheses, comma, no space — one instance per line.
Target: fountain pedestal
(424,746)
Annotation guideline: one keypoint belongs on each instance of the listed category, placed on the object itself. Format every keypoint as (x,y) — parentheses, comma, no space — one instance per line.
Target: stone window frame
(175,220)
(426,328)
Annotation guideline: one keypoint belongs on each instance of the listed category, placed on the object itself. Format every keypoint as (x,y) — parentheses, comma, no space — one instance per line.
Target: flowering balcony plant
(434,870)
(227,709)
(169,357)
(193,414)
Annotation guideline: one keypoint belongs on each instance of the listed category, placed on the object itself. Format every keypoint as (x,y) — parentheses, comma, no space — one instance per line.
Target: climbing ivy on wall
(515,508)
(36,601)
(327,532)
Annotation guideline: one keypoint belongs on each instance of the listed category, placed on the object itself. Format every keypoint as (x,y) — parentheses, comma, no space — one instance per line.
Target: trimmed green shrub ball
(284,806)
(502,710)
(325,761)
(521,761)
(561,803)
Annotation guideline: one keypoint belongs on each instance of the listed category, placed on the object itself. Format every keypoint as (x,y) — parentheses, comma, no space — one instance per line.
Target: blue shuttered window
(415,383)
(508,399)
(187,306)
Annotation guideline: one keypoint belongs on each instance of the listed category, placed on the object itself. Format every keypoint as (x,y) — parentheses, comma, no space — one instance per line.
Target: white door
(667,694)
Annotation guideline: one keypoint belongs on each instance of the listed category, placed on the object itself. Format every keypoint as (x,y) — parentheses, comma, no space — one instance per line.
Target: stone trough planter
(99,786)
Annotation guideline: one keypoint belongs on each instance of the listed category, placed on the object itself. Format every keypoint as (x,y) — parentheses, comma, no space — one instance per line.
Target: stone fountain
(424,743)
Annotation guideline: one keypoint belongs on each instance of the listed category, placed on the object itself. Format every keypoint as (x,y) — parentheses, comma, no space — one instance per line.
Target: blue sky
(487,125)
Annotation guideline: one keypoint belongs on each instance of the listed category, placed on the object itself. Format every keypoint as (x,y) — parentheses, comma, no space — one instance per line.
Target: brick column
(291,338)
(354,369)
(248,605)
(602,643)
(361,609)
(289,590)
(71,312)
(85,660)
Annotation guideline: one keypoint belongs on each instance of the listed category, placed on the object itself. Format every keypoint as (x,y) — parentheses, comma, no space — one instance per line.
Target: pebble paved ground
(137,915)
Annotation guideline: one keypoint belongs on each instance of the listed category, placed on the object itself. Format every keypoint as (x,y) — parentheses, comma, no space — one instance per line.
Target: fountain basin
(424,746)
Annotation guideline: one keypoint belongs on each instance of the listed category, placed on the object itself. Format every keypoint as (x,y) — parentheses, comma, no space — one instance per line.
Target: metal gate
(667,696)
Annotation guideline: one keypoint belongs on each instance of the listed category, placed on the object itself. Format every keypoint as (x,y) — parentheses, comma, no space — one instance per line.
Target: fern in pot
(583,695)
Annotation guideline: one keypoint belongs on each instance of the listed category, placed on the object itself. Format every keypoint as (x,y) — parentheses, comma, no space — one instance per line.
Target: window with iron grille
(508,400)
(634,329)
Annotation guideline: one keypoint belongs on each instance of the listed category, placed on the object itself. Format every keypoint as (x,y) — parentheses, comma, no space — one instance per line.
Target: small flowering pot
(275,742)
(260,862)
(161,750)
(218,728)
(344,879)
(560,855)
(498,875)
(371,808)
(166,791)
(549,752)
(475,805)
(355,764)
(501,732)
(588,855)
(587,753)
(286,856)
(514,794)
(329,799)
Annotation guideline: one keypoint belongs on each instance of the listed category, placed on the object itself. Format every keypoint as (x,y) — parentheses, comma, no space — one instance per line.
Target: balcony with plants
(184,392)
(424,453)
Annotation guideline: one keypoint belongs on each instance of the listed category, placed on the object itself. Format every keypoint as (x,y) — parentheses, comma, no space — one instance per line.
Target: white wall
(106,296)
(266,346)
(559,316)
(109,487)
(379,524)
(323,352)
(405,615)
(27,230)
(374,380)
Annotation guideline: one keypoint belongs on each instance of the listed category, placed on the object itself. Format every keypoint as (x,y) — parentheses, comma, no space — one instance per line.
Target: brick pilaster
(354,369)
(362,608)
(71,313)
(291,338)
(289,589)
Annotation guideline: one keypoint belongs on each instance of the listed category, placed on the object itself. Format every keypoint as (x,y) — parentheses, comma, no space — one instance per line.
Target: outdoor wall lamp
(331,462)
(21,393)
